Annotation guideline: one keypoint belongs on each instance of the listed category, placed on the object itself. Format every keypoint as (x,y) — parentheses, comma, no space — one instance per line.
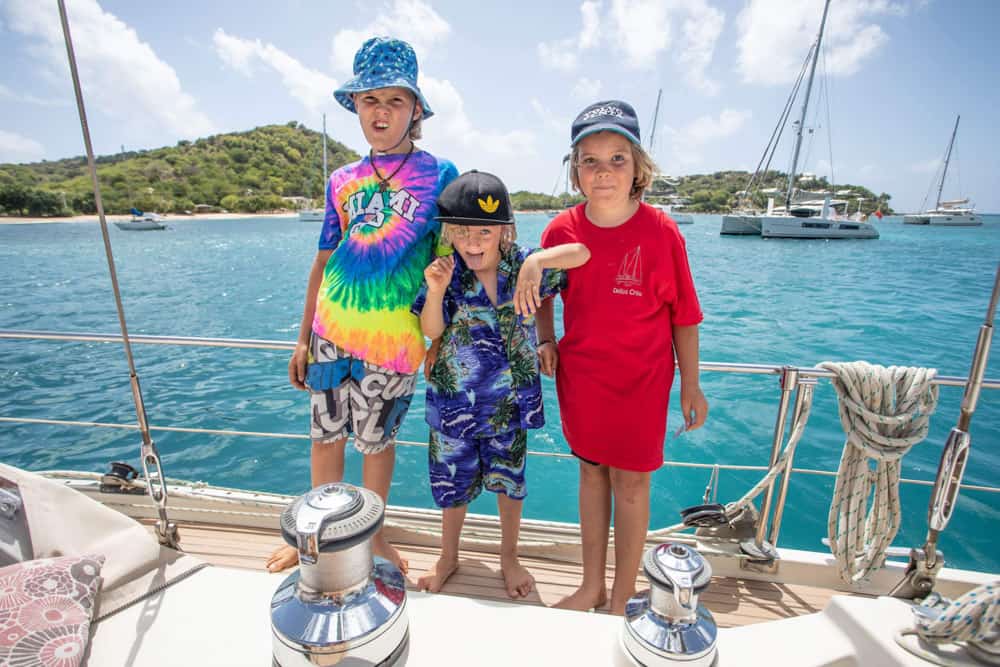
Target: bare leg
(376,473)
(519,581)
(595,520)
(631,493)
(326,462)
(452,519)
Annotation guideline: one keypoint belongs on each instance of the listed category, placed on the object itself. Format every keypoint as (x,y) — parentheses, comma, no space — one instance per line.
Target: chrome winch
(665,625)
(343,603)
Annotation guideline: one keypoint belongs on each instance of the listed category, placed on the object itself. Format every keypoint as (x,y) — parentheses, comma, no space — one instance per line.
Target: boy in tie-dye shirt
(359,345)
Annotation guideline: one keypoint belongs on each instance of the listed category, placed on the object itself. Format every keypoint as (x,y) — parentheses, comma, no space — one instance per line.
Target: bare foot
(434,580)
(619,601)
(584,600)
(383,549)
(283,558)
(519,581)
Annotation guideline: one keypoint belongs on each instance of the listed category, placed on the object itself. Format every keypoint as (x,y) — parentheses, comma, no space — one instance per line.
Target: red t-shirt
(616,359)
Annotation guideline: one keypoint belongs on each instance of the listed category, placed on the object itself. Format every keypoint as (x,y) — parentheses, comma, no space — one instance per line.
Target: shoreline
(14,220)
(111,218)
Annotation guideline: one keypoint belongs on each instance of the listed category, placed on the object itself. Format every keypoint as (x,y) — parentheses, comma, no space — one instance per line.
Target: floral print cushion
(45,610)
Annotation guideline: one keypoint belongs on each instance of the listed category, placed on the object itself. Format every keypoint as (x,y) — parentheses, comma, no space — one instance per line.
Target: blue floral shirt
(485,380)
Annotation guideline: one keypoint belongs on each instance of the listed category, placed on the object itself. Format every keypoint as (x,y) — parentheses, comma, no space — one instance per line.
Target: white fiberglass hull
(140,225)
(944,219)
(740,225)
(312,215)
(782,227)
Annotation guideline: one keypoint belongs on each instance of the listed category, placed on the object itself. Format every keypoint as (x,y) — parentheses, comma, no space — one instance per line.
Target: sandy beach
(5,220)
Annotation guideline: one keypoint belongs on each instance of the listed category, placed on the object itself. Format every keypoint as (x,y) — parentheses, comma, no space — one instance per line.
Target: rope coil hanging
(884,412)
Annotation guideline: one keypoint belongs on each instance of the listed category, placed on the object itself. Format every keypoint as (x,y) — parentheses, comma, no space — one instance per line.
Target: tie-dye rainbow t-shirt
(381,243)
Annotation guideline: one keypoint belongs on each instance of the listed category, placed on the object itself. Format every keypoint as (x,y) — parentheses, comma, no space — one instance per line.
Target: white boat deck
(734,602)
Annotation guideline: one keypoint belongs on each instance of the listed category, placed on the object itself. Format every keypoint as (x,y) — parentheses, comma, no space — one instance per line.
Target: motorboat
(142,221)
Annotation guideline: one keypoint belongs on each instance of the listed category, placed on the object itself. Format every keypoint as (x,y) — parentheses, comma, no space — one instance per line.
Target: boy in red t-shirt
(613,380)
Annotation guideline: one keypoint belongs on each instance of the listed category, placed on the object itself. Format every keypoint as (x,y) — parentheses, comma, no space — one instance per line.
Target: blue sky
(506,79)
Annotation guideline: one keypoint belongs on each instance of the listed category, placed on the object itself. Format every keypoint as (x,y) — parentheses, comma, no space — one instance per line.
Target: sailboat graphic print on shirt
(629,276)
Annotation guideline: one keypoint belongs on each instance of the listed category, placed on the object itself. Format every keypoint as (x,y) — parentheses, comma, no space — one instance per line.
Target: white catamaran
(950,212)
(722,590)
(809,219)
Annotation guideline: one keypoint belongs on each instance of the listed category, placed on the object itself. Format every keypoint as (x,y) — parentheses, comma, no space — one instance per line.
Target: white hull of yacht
(740,225)
(143,225)
(943,219)
(790,227)
(312,215)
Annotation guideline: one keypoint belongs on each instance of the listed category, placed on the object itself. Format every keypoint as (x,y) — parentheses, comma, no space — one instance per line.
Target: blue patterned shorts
(349,395)
(461,467)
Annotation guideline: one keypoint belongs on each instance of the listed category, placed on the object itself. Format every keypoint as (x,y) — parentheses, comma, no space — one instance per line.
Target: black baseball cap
(607,116)
(475,198)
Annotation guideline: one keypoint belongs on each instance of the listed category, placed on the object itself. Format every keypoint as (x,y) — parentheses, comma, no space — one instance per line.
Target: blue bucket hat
(382,62)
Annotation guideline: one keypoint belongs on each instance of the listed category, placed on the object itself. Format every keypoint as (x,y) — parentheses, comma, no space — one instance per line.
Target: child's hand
(528,297)
(432,355)
(548,357)
(438,274)
(297,366)
(694,407)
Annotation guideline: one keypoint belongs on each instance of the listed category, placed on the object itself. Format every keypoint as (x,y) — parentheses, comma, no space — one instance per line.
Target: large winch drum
(343,604)
(665,625)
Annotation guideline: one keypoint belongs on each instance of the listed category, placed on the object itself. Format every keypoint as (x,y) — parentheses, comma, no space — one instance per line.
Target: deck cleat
(665,625)
(343,603)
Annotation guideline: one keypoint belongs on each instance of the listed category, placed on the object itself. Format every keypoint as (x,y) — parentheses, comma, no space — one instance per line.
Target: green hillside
(717,193)
(258,170)
(241,171)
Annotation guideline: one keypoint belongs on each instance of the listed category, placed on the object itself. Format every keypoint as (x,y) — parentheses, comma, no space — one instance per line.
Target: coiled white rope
(884,412)
(975,617)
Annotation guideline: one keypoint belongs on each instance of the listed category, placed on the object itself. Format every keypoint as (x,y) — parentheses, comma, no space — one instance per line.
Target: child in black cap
(483,391)
(614,382)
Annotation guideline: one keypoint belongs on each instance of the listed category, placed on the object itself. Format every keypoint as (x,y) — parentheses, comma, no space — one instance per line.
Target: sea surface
(915,297)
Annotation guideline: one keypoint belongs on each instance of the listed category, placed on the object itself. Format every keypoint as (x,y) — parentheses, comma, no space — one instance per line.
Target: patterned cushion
(45,610)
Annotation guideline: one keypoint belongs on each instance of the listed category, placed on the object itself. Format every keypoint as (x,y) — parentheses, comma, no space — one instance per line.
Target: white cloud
(640,31)
(313,89)
(686,143)
(17,148)
(553,122)
(560,55)
(926,166)
(7,93)
(122,75)
(586,89)
(775,36)
(700,31)
(412,20)
(455,133)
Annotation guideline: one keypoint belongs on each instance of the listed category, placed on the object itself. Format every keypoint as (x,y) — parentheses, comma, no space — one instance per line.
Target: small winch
(665,625)
(343,602)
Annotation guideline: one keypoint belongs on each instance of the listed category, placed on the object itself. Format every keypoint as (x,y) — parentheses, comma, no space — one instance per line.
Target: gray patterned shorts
(349,395)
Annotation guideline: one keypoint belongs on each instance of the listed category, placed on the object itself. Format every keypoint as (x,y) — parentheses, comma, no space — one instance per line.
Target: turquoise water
(915,297)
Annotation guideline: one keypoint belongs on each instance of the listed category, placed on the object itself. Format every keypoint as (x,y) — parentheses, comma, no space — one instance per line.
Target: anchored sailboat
(662,188)
(950,212)
(805,215)
(318,214)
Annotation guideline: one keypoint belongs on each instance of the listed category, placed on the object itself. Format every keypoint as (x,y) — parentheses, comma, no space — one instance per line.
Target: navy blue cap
(608,116)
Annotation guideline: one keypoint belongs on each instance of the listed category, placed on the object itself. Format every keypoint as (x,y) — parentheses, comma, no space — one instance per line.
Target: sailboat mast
(805,107)
(947,159)
(326,174)
(656,115)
